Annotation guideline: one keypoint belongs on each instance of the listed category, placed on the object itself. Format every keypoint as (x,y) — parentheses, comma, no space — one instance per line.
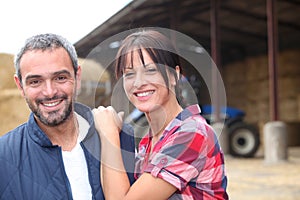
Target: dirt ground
(253,178)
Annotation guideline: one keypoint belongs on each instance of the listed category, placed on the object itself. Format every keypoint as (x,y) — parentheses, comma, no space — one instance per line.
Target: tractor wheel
(243,139)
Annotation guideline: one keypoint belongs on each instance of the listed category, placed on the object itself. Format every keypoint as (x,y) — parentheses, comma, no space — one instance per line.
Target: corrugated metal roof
(243,24)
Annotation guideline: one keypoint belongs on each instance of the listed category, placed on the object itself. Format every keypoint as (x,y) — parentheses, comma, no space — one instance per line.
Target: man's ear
(78,77)
(19,84)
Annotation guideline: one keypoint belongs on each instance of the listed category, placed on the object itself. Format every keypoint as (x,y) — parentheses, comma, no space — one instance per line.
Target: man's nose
(49,89)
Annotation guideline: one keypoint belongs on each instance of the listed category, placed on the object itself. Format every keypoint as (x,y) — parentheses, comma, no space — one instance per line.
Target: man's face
(49,84)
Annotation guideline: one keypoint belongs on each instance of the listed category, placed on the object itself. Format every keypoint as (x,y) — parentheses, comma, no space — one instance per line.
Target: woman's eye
(128,74)
(151,70)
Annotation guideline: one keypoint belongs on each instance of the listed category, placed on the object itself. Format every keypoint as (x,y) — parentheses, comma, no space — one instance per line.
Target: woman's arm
(114,179)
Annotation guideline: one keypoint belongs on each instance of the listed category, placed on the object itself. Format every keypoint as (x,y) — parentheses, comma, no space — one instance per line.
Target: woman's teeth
(143,94)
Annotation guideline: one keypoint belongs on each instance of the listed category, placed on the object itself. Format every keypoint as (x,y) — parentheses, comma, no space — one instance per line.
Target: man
(55,155)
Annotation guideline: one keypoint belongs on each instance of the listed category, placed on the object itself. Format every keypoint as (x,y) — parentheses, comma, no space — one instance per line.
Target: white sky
(73,19)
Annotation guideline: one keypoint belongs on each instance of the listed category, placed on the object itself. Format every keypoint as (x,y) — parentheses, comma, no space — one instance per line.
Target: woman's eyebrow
(146,65)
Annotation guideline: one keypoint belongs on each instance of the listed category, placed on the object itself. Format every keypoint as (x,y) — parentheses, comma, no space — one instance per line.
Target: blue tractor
(243,137)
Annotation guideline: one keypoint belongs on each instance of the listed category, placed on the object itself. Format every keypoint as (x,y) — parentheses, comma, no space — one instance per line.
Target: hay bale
(235,73)
(234,95)
(293,136)
(288,109)
(288,87)
(7,71)
(13,110)
(235,85)
(288,64)
(256,68)
(93,71)
(298,107)
(257,90)
(95,83)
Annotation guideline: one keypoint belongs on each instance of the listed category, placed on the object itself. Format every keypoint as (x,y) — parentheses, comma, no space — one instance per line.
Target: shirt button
(164,161)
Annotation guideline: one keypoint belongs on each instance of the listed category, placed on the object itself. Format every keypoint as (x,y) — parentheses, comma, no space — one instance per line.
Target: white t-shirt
(76,166)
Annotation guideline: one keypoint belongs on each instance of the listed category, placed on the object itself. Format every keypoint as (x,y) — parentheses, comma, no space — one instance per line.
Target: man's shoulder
(11,145)
(84,111)
(13,138)
(81,108)
(16,133)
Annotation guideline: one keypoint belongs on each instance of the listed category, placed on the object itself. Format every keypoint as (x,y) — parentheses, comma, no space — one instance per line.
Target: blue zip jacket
(32,168)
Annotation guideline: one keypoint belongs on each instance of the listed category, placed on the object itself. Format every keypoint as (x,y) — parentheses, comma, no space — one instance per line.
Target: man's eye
(34,82)
(61,78)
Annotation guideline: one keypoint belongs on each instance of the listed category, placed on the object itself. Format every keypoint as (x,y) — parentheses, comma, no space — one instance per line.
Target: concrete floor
(254,179)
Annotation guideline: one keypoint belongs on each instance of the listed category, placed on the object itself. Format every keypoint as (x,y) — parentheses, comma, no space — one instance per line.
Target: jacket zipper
(89,170)
(67,183)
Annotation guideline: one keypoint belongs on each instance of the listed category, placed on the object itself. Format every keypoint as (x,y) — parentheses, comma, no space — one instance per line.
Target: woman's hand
(108,123)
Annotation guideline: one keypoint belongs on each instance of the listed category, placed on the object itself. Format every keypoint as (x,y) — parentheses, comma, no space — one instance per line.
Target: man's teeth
(52,104)
(143,94)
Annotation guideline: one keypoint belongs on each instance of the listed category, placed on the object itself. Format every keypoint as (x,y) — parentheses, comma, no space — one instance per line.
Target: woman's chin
(147,108)
(144,108)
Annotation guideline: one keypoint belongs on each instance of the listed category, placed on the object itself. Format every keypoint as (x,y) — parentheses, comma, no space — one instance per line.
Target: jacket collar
(36,133)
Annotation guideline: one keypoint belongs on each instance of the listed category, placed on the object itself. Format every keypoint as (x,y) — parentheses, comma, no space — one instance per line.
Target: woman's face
(144,84)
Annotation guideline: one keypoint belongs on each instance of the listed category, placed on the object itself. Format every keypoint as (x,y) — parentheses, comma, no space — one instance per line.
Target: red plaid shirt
(188,156)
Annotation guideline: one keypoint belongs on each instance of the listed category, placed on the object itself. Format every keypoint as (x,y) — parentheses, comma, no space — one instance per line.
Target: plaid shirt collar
(175,123)
(186,113)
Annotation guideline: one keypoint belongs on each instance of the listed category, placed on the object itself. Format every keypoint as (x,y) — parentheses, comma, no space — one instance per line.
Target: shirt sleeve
(182,154)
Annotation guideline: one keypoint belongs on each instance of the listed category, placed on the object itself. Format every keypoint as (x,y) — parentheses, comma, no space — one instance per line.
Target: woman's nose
(139,80)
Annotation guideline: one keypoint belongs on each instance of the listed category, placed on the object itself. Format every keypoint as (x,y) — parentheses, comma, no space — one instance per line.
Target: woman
(180,157)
